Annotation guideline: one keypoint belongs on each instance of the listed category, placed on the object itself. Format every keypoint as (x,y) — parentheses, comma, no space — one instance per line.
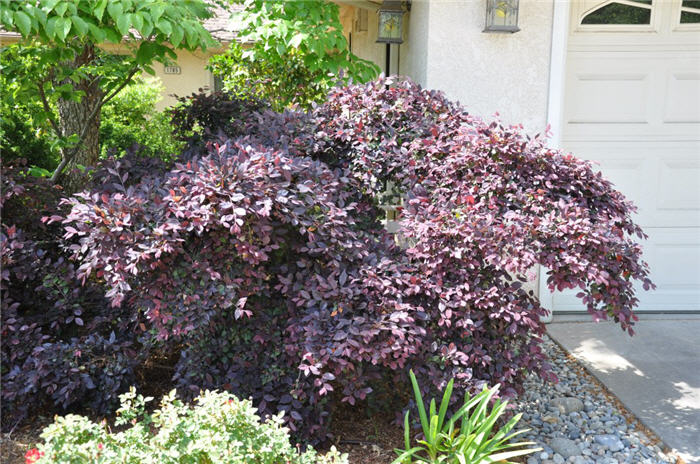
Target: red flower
(100,446)
(32,456)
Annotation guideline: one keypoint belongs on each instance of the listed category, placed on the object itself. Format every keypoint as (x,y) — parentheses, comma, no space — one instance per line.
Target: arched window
(621,12)
(690,12)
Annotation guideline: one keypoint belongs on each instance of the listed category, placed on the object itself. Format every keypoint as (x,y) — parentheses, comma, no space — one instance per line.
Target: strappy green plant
(467,437)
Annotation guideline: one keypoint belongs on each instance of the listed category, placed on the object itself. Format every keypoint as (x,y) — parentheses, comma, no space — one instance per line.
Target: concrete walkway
(655,374)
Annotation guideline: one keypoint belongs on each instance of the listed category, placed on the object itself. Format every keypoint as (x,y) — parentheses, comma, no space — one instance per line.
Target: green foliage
(59,60)
(468,436)
(149,24)
(218,428)
(19,140)
(23,133)
(131,118)
(56,32)
(292,53)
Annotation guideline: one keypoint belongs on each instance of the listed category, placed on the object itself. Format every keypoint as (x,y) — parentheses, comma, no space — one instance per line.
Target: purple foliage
(486,201)
(262,264)
(52,350)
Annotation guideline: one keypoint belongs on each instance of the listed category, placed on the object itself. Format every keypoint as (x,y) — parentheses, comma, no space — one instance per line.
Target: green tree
(61,65)
(289,53)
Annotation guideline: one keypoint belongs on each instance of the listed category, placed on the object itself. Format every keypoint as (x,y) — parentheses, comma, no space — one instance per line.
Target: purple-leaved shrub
(483,204)
(259,262)
(59,337)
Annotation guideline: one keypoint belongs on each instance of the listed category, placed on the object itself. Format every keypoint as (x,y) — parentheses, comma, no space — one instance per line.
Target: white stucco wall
(488,73)
(444,48)
(414,50)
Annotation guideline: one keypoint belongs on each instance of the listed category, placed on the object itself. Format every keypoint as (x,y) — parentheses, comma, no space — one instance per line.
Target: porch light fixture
(501,16)
(390,22)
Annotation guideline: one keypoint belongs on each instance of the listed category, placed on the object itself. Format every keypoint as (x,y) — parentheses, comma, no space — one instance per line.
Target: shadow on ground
(655,374)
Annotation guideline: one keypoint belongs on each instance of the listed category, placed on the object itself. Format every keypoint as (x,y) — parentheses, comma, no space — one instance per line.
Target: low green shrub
(131,119)
(219,428)
(25,133)
(20,140)
(468,436)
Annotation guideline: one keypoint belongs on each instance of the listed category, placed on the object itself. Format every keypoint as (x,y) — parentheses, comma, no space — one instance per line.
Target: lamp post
(390,20)
(502,16)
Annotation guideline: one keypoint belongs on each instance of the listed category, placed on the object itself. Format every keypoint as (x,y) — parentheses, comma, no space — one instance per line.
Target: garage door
(632,103)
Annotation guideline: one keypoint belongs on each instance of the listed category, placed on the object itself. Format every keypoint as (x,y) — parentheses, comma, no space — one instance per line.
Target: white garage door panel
(673,255)
(678,197)
(645,95)
(632,104)
(661,178)
(609,98)
(682,103)
(676,254)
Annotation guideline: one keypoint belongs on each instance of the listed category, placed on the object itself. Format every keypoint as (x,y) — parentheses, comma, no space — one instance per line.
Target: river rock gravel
(575,422)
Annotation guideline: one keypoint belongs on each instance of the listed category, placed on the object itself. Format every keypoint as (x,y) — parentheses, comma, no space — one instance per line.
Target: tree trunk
(74,116)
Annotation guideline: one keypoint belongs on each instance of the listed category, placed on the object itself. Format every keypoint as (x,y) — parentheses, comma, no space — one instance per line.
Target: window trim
(651,27)
(677,25)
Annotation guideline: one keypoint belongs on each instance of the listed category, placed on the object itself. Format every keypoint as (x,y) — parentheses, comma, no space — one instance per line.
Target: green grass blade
(503,439)
(462,412)
(484,430)
(514,445)
(434,435)
(482,400)
(419,402)
(445,403)
(511,423)
(451,429)
(485,399)
(511,454)
(406,431)
(465,419)
(405,455)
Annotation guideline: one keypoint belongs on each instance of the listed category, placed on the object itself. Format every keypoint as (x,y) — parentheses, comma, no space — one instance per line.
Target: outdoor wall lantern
(390,22)
(501,16)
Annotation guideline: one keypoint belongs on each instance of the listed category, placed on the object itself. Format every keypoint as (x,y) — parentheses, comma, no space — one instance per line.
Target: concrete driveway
(655,374)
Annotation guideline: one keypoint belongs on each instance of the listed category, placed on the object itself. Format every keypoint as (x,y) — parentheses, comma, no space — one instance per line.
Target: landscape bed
(372,439)
(257,262)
